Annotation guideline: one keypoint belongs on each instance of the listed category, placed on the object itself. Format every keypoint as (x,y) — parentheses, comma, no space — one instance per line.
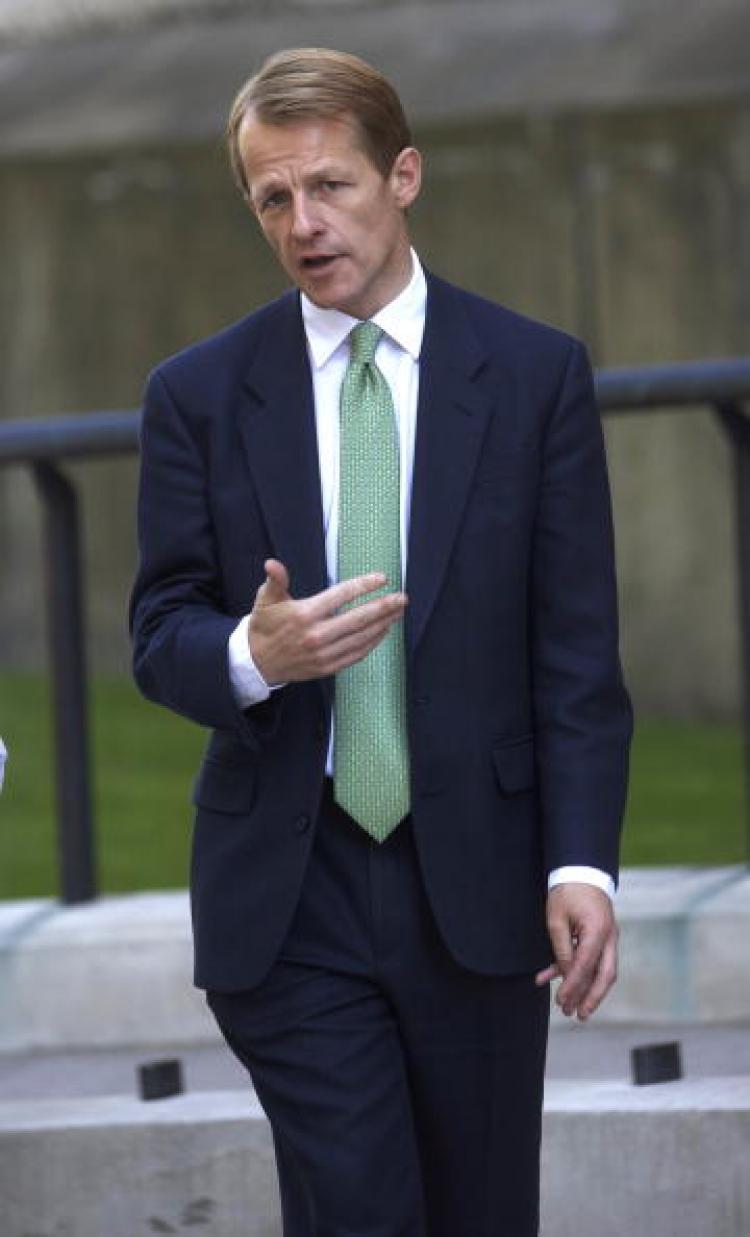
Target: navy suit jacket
(519,723)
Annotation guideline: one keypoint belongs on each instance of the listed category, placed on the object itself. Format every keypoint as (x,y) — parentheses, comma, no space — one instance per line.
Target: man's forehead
(313,166)
(316,139)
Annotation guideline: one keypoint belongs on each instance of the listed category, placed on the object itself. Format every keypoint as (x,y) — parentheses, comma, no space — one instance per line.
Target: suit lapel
(451,422)
(278,430)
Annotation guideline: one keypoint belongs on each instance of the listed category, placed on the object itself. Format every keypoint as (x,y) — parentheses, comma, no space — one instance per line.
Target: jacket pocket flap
(514,765)
(225,787)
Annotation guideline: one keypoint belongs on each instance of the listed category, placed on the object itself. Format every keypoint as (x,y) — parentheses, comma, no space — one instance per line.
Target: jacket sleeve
(582,713)
(179,625)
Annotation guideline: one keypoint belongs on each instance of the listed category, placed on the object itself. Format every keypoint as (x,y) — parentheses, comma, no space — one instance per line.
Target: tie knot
(363,341)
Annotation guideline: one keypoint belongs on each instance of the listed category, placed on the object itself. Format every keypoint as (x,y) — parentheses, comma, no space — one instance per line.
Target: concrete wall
(204,1162)
(117,972)
(629,228)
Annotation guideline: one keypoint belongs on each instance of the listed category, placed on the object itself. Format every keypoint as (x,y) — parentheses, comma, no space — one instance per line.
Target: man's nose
(305,221)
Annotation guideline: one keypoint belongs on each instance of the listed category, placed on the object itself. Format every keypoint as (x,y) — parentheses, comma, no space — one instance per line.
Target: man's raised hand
(308,638)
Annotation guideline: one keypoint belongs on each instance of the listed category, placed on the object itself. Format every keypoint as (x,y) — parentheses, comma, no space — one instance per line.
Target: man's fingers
(350,644)
(594,984)
(332,644)
(579,976)
(327,603)
(381,610)
(545,977)
(353,648)
(604,978)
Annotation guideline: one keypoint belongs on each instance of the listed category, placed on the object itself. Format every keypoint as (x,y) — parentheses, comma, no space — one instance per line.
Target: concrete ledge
(122,1167)
(116,971)
(661,1161)
(667,1161)
(119,971)
(681,957)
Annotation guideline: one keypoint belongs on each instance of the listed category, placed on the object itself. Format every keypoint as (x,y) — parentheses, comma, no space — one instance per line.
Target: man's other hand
(583,931)
(292,640)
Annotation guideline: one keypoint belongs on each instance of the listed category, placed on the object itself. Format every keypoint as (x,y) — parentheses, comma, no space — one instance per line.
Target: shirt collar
(402,319)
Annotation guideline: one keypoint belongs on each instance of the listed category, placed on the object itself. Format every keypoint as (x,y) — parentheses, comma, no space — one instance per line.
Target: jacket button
(302,823)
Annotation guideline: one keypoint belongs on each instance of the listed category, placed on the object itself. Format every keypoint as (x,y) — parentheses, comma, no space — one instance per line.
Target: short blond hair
(310,83)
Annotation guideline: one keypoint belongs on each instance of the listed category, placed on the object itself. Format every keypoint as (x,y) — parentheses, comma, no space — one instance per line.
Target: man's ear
(406,176)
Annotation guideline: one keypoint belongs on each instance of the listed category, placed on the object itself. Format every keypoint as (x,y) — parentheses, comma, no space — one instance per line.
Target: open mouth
(319,262)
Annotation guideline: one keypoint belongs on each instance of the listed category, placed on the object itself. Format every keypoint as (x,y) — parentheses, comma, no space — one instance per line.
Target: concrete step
(618,1160)
(118,971)
(593,1052)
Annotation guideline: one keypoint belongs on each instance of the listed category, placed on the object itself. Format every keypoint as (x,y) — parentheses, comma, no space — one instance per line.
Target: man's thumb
(275,587)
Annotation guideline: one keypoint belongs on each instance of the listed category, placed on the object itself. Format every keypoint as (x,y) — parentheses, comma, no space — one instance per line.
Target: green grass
(686,801)
(687,795)
(144,760)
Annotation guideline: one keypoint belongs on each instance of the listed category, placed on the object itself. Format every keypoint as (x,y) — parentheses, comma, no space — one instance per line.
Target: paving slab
(593,1052)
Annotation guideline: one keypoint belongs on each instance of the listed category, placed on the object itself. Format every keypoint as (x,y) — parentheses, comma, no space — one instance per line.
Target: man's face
(335,223)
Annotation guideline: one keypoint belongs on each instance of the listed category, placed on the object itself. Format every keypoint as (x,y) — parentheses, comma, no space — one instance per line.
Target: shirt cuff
(248,685)
(584,876)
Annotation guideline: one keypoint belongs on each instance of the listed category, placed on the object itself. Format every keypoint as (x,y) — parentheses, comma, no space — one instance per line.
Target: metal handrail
(627,389)
(680,384)
(42,444)
(78,435)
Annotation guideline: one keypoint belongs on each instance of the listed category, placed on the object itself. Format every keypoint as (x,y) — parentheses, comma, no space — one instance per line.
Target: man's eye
(271,200)
(333,184)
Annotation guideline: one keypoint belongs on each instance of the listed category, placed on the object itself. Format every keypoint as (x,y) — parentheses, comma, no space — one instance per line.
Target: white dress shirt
(327,331)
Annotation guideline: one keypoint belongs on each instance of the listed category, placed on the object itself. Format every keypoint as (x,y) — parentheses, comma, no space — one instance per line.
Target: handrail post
(65,624)
(737,427)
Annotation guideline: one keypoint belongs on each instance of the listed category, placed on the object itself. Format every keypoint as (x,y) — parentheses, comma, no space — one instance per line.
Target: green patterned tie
(371,754)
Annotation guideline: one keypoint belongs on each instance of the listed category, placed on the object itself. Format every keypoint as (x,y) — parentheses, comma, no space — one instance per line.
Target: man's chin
(329,287)
(333,297)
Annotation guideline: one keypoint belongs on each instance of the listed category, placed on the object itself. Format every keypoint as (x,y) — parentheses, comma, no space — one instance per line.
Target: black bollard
(656,1063)
(158,1080)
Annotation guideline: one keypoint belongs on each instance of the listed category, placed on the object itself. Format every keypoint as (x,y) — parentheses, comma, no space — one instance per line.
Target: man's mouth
(318,262)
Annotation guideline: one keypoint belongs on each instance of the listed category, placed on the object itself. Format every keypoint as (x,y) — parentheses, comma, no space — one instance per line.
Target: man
(409,808)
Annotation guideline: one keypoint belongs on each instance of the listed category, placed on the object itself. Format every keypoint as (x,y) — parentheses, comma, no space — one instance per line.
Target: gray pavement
(589,1053)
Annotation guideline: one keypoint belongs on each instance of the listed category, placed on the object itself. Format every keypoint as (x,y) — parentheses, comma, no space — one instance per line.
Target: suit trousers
(404,1091)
